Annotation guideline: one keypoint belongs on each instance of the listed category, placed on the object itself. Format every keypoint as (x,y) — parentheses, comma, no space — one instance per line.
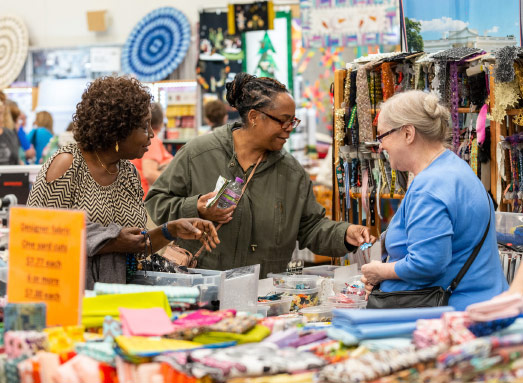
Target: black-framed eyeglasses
(382,136)
(294,122)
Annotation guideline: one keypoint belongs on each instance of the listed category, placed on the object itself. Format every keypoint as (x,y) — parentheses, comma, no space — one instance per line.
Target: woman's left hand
(368,287)
(195,228)
(357,235)
(372,272)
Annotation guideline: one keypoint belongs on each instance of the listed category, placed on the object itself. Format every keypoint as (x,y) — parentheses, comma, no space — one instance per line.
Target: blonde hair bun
(432,106)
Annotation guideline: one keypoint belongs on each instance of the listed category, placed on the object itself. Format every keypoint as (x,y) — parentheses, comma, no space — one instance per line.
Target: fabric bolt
(379,330)
(173,293)
(61,340)
(256,334)
(496,308)
(48,364)
(149,346)
(307,339)
(279,182)
(108,208)
(387,79)
(451,329)
(391,343)
(283,338)
(504,67)
(99,351)
(24,316)
(111,329)
(357,317)
(306,377)
(203,318)
(237,325)
(435,230)
(95,309)
(363,101)
(252,360)
(343,336)
(24,343)
(145,322)
(11,370)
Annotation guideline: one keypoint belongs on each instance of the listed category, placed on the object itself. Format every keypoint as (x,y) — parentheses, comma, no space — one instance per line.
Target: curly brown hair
(111,108)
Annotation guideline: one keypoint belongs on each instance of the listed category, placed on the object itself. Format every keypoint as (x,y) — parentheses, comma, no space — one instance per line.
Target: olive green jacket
(277,209)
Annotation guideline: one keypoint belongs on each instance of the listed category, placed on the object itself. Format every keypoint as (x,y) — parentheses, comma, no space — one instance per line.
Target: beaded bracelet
(166,233)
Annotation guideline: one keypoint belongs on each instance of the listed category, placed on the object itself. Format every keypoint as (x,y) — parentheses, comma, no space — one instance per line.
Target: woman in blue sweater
(40,136)
(444,213)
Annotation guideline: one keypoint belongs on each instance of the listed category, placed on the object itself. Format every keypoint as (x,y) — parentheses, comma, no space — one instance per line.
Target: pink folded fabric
(145,322)
(202,318)
(499,307)
(451,329)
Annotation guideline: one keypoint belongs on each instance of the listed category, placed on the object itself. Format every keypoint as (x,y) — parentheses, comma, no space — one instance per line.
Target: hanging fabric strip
(339,126)
(377,179)
(387,79)
(474,156)
(480,124)
(365,190)
(341,182)
(346,89)
(347,185)
(383,175)
(392,183)
(363,101)
(454,104)
(350,126)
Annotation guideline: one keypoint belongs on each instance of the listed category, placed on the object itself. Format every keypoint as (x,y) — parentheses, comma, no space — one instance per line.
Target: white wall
(63,23)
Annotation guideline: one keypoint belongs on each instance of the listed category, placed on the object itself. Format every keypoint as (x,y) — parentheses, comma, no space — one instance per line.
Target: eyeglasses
(294,122)
(382,136)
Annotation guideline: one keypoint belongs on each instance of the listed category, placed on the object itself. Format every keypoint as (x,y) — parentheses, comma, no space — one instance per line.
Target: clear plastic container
(208,281)
(321,313)
(278,307)
(326,271)
(346,302)
(300,297)
(298,282)
(509,228)
(352,286)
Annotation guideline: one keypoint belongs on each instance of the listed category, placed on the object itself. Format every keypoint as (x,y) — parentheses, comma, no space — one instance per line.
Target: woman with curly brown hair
(112,125)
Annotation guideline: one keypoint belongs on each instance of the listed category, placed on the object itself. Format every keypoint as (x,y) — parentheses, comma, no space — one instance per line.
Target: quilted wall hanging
(157,44)
(14,43)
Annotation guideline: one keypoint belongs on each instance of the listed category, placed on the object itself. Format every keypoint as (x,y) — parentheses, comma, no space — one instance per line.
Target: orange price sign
(47,261)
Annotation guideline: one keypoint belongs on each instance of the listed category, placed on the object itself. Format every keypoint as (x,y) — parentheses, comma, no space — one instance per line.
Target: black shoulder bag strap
(471,258)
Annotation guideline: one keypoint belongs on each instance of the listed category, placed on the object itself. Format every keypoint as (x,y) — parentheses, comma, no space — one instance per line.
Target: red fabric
(157,153)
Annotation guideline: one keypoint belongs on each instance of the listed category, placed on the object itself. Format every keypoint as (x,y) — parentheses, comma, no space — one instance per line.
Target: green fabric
(95,309)
(256,334)
(277,209)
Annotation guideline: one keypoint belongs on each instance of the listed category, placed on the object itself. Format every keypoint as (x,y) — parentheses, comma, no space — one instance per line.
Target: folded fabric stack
(494,314)
(244,360)
(174,294)
(372,324)
(451,329)
(95,309)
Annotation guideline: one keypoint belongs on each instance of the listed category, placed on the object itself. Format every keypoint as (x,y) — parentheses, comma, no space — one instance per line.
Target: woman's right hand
(213,213)
(195,228)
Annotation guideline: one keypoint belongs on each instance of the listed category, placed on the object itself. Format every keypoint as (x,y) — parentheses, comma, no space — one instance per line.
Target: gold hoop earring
(116,147)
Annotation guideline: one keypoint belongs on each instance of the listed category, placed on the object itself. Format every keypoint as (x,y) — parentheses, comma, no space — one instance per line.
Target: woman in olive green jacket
(278,207)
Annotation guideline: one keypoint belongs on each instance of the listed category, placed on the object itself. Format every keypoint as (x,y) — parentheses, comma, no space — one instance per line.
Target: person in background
(9,145)
(112,125)
(154,161)
(62,139)
(40,136)
(27,152)
(445,211)
(278,207)
(215,113)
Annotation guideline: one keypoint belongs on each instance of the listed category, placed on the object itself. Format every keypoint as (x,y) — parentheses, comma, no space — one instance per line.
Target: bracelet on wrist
(167,234)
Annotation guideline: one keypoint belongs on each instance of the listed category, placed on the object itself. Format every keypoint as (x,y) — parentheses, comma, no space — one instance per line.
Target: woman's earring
(116,147)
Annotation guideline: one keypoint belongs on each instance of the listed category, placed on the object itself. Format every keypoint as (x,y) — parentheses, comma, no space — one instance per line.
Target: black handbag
(428,297)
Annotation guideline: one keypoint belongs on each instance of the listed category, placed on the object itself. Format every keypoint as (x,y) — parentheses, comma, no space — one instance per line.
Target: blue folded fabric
(375,345)
(380,330)
(343,336)
(357,317)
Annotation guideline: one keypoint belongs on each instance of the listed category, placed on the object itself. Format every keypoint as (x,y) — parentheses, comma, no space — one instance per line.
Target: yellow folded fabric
(256,334)
(95,309)
(139,345)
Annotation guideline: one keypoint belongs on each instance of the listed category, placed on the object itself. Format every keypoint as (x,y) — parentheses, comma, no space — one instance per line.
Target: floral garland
(454,101)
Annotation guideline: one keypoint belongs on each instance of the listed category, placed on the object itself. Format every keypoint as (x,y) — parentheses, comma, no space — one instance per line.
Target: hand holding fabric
(213,213)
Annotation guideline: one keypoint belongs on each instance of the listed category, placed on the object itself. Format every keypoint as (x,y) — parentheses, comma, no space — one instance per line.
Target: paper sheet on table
(221,184)
(265,286)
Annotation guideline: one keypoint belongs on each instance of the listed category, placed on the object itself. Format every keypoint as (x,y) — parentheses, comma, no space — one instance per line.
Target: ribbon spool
(14,43)
(157,45)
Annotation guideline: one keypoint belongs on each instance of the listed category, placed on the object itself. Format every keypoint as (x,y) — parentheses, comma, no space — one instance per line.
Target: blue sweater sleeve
(429,232)
(24,141)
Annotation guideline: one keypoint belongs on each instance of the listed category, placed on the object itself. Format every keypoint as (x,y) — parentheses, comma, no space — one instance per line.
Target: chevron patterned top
(120,203)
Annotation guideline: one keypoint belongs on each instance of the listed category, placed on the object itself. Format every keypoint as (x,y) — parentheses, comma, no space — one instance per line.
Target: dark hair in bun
(248,92)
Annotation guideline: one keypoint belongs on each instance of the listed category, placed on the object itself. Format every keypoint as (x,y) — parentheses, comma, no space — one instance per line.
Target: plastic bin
(279,307)
(239,289)
(345,303)
(509,228)
(326,271)
(318,313)
(298,282)
(300,297)
(208,281)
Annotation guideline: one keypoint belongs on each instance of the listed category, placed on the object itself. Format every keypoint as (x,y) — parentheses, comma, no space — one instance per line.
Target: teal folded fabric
(100,351)
(182,294)
(375,345)
(343,336)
